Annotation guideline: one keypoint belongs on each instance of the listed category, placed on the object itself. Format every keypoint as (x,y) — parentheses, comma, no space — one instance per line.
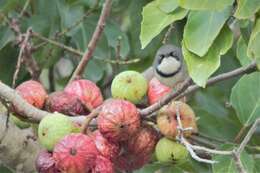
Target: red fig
(103,165)
(45,163)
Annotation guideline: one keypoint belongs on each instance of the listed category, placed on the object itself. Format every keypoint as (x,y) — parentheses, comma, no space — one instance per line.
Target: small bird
(169,66)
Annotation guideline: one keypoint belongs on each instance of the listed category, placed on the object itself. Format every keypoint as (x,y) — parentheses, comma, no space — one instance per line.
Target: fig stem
(88,119)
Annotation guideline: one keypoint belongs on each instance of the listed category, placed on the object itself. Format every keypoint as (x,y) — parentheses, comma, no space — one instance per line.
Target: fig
(167,119)
(45,163)
(33,92)
(129,85)
(75,153)
(87,91)
(143,141)
(118,120)
(170,151)
(65,103)
(103,165)
(105,147)
(19,122)
(156,90)
(52,128)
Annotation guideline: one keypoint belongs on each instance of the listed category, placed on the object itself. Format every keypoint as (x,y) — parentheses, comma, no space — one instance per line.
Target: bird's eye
(161,58)
(173,54)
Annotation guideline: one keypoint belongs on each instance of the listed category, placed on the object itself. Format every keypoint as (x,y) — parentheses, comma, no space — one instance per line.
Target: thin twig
(93,42)
(24,43)
(24,8)
(88,119)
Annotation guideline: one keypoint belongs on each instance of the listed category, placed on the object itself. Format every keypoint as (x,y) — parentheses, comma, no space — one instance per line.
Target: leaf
(253,50)
(241,52)
(205,4)
(149,168)
(202,28)
(155,20)
(245,98)
(159,168)
(226,163)
(246,8)
(200,68)
(113,32)
(167,6)
(6,36)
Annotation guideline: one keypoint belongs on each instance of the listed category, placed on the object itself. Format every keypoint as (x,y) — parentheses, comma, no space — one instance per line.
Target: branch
(93,42)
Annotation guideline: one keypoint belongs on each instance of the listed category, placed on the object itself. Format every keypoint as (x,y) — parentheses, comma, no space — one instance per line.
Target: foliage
(215,36)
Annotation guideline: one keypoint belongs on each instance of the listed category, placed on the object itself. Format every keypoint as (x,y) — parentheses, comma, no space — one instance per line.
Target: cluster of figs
(120,141)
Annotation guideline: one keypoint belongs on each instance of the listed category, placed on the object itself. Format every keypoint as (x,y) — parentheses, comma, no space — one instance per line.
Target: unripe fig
(33,92)
(52,128)
(118,120)
(103,165)
(167,119)
(75,153)
(156,90)
(65,103)
(19,122)
(45,163)
(105,147)
(87,91)
(129,85)
(143,141)
(170,151)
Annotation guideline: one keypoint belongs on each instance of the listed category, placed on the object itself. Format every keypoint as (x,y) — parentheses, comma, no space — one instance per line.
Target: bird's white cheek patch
(169,65)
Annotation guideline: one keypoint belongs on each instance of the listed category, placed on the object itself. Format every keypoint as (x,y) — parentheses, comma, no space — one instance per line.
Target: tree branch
(93,42)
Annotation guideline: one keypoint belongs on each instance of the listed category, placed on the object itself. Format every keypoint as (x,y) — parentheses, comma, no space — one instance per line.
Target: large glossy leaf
(202,28)
(6,36)
(241,52)
(226,163)
(245,98)
(246,8)
(155,20)
(205,4)
(167,5)
(200,68)
(253,50)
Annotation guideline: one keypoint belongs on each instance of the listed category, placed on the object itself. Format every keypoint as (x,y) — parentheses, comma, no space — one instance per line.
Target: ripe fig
(118,120)
(75,153)
(33,92)
(65,103)
(19,122)
(129,85)
(45,163)
(143,141)
(52,128)
(170,151)
(87,92)
(167,119)
(156,90)
(105,147)
(103,165)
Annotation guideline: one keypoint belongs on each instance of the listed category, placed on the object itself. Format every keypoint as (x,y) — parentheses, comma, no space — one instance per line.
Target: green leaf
(242,52)
(155,20)
(149,168)
(167,6)
(6,36)
(205,4)
(246,8)
(226,163)
(200,68)
(202,28)
(253,50)
(245,98)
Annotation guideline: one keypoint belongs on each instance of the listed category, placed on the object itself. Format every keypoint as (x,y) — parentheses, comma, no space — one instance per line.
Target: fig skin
(167,119)
(105,147)
(156,91)
(171,151)
(65,103)
(129,85)
(144,141)
(103,165)
(87,91)
(118,120)
(45,163)
(75,153)
(33,92)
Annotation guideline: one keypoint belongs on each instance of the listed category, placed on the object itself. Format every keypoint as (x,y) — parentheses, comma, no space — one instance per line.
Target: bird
(169,66)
